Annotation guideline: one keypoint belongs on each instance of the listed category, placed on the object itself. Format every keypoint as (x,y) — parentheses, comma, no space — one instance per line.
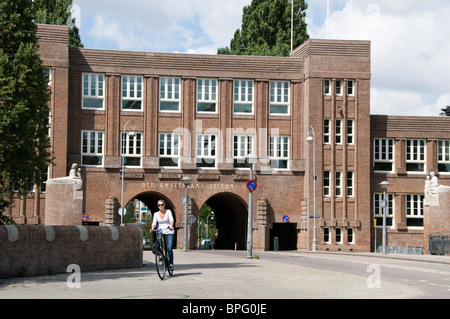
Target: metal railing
(439,245)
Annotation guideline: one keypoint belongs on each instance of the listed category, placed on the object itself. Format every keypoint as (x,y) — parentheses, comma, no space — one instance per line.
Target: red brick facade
(328,84)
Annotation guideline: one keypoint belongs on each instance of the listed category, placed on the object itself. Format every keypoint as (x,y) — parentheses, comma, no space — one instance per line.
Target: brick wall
(42,249)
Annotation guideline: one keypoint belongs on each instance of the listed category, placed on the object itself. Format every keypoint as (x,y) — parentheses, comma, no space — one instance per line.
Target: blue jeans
(169,247)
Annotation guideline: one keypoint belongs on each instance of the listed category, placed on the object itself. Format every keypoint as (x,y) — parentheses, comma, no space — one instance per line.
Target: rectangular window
(326,183)
(338,132)
(326,131)
(132,92)
(242,146)
(415,155)
(279,98)
(339,88)
(350,132)
(243,97)
(93,91)
(207,95)
(350,184)
(131,149)
(326,235)
(206,150)
(279,152)
(444,156)
(338,235)
(169,94)
(378,209)
(169,149)
(338,184)
(92,148)
(327,87)
(350,236)
(383,154)
(351,88)
(414,210)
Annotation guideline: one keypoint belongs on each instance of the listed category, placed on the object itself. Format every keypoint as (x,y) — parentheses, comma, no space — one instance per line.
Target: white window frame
(327,235)
(378,209)
(94,147)
(279,151)
(131,147)
(327,87)
(338,132)
(326,183)
(414,208)
(338,184)
(207,92)
(383,153)
(339,235)
(169,148)
(326,131)
(339,87)
(351,236)
(206,149)
(351,88)
(243,145)
(132,90)
(414,154)
(350,184)
(95,90)
(244,94)
(350,132)
(444,156)
(279,97)
(170,92)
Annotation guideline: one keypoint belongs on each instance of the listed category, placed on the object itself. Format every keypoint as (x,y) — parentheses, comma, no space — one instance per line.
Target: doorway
(287,236)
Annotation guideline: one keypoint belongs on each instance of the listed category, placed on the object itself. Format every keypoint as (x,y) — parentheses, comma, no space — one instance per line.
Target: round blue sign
(286,218)
(85,217)
(251,185)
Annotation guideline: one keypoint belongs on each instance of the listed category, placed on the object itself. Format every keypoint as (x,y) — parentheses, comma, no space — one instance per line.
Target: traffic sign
(251,185)
(286,218)
(85,217)
(314,216)
(122,211)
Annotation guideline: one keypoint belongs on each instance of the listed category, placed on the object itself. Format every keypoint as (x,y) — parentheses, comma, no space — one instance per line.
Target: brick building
(199,116)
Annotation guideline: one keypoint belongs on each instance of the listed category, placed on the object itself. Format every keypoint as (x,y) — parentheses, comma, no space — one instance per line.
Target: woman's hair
(162,201)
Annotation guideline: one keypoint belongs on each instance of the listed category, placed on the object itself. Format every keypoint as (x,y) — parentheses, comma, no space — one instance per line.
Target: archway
(231,220)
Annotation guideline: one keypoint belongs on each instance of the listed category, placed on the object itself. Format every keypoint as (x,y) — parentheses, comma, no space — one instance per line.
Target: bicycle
(161,258)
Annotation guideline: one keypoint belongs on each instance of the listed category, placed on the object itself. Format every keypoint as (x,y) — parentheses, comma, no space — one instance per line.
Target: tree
(56,12)
(24,97)
(445,111)
(266,29)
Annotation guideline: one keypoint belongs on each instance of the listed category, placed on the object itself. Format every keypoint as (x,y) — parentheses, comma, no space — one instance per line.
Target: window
(243,97)
(338,235)
(414,210)
(207,95)
(279,152)
(327,87)
(326,131)
(350,184)
(338,132)
(339,88)
(326,235)
(351,88)
(326,183)
(378,209)
(169,94)
(131,149)
(92,148)
(350,132)
(48,75)
(338,184)
(132,92)
(415,155)
(242,146)
(206,150)
(444,156)
(279,98)
(350,236)
(169,150)
(383,154)
(93,91)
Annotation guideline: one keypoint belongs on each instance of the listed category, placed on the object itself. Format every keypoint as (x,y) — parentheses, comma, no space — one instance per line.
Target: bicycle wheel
(160,264)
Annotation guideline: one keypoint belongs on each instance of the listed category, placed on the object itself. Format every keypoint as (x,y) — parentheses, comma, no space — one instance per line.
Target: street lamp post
(186,181)
(207,224)
(122,162)
(251,159)
(385,204)
(312,138)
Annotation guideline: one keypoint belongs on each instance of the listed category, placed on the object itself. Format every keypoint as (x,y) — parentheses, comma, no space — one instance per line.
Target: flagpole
(328,19)
(292,27)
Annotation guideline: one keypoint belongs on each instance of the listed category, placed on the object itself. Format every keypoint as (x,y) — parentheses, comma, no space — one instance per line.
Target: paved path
(209,275)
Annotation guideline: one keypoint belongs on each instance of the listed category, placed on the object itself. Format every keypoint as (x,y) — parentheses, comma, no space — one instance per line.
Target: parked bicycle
(161,258)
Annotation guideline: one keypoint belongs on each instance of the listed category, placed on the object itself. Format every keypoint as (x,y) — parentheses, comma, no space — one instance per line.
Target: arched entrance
(231,219)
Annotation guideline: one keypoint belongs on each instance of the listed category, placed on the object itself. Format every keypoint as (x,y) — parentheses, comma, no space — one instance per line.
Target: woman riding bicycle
(163,219)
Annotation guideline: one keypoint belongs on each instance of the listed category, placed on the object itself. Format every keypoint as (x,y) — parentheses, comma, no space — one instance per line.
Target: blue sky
(410,46)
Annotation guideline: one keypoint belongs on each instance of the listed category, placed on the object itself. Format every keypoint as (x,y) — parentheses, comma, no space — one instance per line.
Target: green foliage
(129,217)
(445,111)
(24,98)
(266,29)
(203,215)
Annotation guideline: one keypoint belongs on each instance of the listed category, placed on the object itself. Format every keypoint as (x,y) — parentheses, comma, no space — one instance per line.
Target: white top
(164,223)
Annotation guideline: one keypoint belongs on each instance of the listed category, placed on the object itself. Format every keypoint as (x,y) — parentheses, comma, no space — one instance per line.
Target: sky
(410,47)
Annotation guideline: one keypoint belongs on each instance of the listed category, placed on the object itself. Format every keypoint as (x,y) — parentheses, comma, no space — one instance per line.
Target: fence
(439,245)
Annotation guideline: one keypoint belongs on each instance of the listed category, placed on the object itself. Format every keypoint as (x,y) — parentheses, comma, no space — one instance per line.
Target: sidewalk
(210,275)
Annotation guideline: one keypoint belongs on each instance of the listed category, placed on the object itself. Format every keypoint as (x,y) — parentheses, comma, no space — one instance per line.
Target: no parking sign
(85,217)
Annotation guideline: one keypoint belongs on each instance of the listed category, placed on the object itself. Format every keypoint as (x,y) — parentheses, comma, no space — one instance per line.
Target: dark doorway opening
(287,236)
(231,221)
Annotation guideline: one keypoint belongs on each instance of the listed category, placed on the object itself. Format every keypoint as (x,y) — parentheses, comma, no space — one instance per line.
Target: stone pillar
(262,238)
(64,200)
(112,217)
